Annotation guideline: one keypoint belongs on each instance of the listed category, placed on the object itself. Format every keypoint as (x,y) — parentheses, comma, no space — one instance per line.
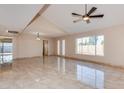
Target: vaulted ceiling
(16,16)
(61,16)
(57,19)
(44,27)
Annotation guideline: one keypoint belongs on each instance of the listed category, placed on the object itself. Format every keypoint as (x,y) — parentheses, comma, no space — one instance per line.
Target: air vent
(13,32)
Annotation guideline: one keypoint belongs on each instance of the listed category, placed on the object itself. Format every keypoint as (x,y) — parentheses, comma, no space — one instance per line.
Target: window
(6,49)
(100,45)
(6,46)
(89,45)
(79,46)
(63,47)
(58,47)
(92,45)
(0,47)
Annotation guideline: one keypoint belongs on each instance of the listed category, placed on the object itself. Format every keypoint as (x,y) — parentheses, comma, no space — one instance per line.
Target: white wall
(26,45)
(113,45)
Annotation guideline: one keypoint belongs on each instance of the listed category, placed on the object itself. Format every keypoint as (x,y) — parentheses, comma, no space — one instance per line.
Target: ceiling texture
(57,19)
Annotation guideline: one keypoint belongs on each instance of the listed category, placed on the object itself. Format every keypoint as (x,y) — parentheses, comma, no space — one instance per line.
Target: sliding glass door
(5,50)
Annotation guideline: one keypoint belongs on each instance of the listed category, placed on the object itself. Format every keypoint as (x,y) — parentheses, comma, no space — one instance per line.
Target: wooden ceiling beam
(42,10)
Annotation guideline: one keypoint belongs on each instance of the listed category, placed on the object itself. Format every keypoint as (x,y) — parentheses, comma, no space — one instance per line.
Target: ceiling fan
(87,16)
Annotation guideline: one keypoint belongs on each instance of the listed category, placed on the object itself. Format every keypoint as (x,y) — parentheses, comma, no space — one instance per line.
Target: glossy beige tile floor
(55,72)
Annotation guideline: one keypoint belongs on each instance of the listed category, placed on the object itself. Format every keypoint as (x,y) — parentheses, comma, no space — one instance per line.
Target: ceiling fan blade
(96,16)
(91,11)
(75,21)
(75,14)
(88,21)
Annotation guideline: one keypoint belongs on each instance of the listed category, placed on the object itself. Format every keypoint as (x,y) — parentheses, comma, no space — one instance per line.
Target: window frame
(95,50)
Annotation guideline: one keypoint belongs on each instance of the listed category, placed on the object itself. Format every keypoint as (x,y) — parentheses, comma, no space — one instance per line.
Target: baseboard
(28,57)
(90,61)
(74,58)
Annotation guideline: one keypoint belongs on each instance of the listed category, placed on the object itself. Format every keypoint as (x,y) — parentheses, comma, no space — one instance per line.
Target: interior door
(45,47)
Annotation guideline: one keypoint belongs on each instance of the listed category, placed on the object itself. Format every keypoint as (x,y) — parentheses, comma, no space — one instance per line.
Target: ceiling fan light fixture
(86,18)
(38,36)
(88,15)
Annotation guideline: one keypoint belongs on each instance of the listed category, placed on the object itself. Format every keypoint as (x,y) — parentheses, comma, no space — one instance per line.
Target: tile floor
(55,72)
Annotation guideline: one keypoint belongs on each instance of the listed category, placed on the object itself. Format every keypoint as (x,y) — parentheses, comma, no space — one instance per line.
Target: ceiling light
(38,36)
(86,18)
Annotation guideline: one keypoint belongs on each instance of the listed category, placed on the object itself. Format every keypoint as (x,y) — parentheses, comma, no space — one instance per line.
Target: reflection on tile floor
(5,58)
(56,72)
(90,76)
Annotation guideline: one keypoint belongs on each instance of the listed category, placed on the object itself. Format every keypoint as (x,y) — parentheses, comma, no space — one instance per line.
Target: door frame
(45,50)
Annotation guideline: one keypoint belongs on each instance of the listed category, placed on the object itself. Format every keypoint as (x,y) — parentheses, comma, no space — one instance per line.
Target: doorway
(45,47)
